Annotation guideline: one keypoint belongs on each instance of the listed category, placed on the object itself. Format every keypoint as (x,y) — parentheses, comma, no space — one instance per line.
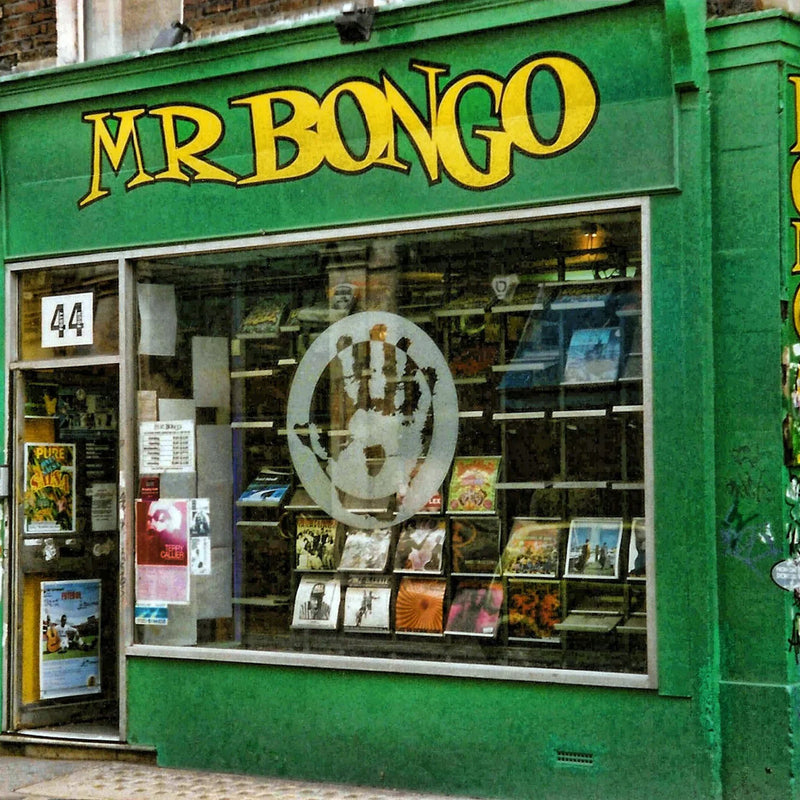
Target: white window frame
(648,680)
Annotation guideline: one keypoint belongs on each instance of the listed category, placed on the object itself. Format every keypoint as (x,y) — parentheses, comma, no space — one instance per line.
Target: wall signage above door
(294,132)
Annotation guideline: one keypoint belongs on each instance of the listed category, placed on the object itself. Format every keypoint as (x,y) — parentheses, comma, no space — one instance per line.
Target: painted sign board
(518,114)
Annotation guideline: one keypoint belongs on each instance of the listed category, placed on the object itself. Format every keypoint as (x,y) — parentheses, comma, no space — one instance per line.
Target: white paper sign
(68,320)
(105,515)
(158,319)
(166,446)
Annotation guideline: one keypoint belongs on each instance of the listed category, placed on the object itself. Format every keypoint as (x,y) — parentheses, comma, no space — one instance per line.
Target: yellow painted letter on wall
(579,105)
(103,141)
(188,154)
(378,128)
(408,117)
(452,147)
(298,128)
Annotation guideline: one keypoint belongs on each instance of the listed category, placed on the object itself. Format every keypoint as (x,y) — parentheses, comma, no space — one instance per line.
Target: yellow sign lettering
(356,124)
(103,141)
(189,153)
(298,129)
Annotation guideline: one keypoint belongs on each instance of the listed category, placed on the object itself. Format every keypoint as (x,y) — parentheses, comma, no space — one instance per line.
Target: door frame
(124,361)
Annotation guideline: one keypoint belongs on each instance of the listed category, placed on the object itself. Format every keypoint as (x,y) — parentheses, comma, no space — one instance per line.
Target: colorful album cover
(532,548)
(419,606)
(593,548)
(473,485)
(475,609)
(534,608)
(420,546)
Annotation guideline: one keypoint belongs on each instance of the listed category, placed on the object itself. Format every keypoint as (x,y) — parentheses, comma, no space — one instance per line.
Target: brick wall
(27,32)
(209,17)
(28,27)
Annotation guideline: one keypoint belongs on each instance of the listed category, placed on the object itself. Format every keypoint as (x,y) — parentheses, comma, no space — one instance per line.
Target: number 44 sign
(67,320)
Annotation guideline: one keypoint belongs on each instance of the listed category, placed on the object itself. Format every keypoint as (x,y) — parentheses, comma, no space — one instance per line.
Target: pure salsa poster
(49,488)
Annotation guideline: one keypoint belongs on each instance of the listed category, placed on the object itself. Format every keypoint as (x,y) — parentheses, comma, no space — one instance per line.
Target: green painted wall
(750,119)
(434,734)
(706,146)
(45,175)
(500,739)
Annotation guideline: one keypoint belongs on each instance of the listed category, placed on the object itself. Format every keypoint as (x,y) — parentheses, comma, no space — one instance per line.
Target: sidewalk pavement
(26,778)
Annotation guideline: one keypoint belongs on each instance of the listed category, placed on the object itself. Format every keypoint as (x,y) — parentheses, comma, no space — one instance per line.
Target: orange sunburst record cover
(419,607)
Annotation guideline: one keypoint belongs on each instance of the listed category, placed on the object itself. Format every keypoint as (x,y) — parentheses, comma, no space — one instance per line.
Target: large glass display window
(421,447)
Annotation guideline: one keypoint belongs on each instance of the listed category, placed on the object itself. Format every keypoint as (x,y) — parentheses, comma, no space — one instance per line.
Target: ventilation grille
(574,757)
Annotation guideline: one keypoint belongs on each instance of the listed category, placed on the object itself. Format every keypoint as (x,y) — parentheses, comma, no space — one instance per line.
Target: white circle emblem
(372,419)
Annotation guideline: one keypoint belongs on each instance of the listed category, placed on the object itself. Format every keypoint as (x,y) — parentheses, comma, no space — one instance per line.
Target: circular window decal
(372,419)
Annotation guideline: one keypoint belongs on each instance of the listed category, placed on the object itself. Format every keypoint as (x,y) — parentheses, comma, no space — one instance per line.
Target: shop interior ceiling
(607,242)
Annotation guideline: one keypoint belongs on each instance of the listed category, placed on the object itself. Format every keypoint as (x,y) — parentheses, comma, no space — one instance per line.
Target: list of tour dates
(166,446)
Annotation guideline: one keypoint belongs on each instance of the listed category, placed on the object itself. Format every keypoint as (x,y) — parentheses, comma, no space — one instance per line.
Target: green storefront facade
(627,115)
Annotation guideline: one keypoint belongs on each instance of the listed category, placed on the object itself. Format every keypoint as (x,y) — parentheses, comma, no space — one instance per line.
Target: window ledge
(407,666)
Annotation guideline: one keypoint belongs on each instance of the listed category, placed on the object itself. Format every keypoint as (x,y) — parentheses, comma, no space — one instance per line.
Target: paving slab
(71,780)
(16,771)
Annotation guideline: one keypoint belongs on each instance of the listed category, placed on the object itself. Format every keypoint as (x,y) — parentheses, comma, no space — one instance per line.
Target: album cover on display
(315,543)
(420,546)
(366,550)
(419,606)
(473,485)
(475,609)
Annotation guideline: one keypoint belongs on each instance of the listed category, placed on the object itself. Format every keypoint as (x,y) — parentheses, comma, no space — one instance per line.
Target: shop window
(426,446)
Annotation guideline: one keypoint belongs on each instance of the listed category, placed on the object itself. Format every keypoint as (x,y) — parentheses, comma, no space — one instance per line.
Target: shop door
(63,671)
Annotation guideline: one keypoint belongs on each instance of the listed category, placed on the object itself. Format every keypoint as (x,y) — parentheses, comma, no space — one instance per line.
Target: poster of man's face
(162,532)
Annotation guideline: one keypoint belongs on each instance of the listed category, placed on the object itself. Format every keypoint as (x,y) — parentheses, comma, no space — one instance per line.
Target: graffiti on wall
(745,535)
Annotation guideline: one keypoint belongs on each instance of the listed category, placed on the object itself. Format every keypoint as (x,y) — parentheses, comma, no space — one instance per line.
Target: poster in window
(166,446)
(41,399)
(162,551)
(86,410)
(69,652)
(49,503)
